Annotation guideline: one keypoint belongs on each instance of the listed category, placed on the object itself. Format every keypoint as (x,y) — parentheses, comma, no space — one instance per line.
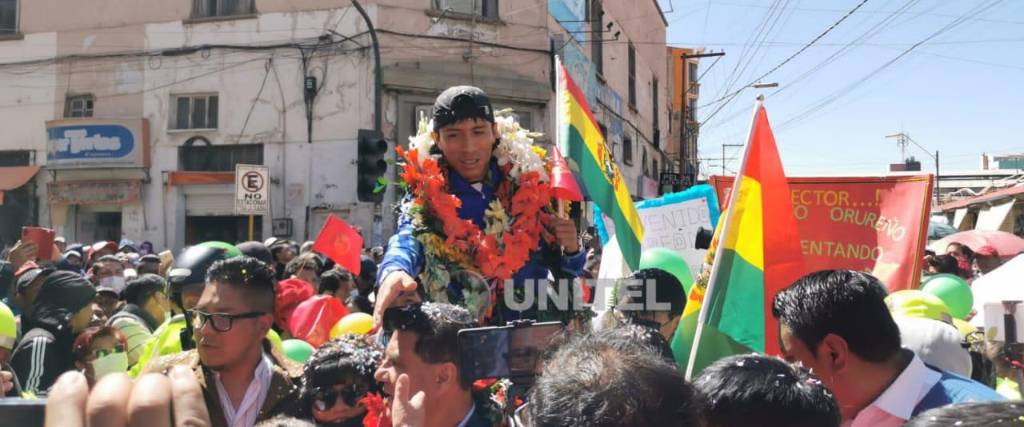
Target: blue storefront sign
(94,143)
(572,14)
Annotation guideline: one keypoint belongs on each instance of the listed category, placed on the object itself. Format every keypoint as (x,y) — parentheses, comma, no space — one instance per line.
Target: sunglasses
(634,318)
(326,397)
(221,322)
(118,348)
(409,317)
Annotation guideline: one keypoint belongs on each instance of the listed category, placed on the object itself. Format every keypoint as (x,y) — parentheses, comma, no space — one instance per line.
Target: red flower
(496,259)
(376,415)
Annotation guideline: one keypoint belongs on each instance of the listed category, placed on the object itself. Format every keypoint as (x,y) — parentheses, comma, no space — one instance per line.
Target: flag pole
(717,264)
(563,212)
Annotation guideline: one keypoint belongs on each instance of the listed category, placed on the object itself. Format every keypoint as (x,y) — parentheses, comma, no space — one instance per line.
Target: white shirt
(465,420)
(247,412)
(896,404)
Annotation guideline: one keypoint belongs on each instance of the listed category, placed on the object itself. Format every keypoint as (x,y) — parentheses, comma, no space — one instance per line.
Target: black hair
(847,303)
(359,303)
(755,390)
(300,261)
(437,328)
(648,336)
(609,379)
(332,279)
(972,414)
(249,274)
(966,250)
(285,421)
(945,264)
(347,358)
(666,290)
(142,288)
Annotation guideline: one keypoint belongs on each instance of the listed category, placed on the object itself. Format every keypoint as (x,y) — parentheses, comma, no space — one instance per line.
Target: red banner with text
(872,224)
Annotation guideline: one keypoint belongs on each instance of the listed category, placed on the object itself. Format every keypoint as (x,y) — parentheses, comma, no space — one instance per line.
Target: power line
(836,95)
(804,9)
(744,56)
(871,32)
(798,52)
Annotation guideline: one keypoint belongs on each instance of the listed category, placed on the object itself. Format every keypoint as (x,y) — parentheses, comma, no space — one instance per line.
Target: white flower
(422,142)
(514,146)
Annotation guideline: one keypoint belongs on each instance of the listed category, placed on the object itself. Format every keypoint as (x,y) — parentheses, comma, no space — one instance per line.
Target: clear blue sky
(960,93)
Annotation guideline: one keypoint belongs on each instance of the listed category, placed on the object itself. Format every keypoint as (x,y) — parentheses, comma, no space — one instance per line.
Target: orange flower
(525,200)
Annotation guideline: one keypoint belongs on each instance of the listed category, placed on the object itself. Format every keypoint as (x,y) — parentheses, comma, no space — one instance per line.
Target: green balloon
(230,251)
(952,290)
(298,351)
(670,261)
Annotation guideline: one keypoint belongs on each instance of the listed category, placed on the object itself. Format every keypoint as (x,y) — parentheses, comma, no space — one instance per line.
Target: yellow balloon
(275,341)
(355,323)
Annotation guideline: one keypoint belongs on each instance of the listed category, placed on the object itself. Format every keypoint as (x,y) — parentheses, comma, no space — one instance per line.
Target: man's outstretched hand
(406,410)
(394,284)
(153,400)
(22,252)
(564,233)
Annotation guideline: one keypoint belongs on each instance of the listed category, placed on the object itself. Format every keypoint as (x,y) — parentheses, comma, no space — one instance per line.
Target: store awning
(988,197)
(199,178)
(993,218)
(12,177)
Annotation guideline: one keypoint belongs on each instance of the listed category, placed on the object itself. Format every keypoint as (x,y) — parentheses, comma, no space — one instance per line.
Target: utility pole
(686,108)
(903,140)
(378,76)
(723,154)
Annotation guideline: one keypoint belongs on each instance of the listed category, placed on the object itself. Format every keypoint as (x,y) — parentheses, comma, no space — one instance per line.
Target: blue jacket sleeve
(404,252)
(574,263)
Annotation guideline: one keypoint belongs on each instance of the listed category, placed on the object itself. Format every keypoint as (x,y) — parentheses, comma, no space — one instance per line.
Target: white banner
(673,226)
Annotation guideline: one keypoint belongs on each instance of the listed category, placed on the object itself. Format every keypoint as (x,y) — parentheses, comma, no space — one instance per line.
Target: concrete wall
(508,58)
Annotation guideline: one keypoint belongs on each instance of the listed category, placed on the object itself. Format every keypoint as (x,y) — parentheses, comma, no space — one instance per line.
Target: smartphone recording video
(1004,321)
(505,351)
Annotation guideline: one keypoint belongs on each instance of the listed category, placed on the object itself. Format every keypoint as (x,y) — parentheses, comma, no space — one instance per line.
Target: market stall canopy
(1006,244)
(12,177)
(998,285)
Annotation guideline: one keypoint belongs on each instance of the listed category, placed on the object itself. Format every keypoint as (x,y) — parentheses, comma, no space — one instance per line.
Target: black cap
(30,276)
(140,288)
(256,250)
(190,268)
(149,258)
(65,290)
(458,103)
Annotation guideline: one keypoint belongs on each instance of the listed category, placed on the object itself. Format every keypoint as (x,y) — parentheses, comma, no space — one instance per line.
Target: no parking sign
(251,194)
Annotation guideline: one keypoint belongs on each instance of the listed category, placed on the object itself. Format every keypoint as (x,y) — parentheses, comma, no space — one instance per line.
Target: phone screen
(1004,321)
(22,412)
(504,351)
(43,238)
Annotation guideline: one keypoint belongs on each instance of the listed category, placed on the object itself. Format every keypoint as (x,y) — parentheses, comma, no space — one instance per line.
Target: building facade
(127,122)
(685,127)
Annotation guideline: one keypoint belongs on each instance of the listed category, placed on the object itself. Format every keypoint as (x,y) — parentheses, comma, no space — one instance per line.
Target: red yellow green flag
(584,145)
(758,255)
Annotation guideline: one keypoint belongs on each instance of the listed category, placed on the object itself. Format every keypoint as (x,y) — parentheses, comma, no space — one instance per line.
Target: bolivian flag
(589,157)
(757,256)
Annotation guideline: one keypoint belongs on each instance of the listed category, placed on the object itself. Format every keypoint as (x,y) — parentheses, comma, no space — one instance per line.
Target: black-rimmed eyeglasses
(221,322)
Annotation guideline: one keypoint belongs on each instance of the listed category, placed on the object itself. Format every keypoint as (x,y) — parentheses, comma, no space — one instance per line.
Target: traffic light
(371,165)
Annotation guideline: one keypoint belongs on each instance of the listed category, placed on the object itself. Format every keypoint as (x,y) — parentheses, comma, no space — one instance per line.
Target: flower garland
(513,221)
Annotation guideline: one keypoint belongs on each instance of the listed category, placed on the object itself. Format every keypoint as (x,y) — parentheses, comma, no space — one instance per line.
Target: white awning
(958,218)
(993,218)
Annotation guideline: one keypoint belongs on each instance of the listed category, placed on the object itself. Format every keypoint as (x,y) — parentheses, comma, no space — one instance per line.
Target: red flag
(340,242)
(562,181)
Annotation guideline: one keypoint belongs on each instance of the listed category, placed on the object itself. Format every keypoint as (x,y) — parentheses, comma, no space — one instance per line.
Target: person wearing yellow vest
(185,283)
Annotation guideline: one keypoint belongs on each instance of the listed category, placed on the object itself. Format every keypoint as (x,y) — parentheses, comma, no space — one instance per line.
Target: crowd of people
(274,333)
